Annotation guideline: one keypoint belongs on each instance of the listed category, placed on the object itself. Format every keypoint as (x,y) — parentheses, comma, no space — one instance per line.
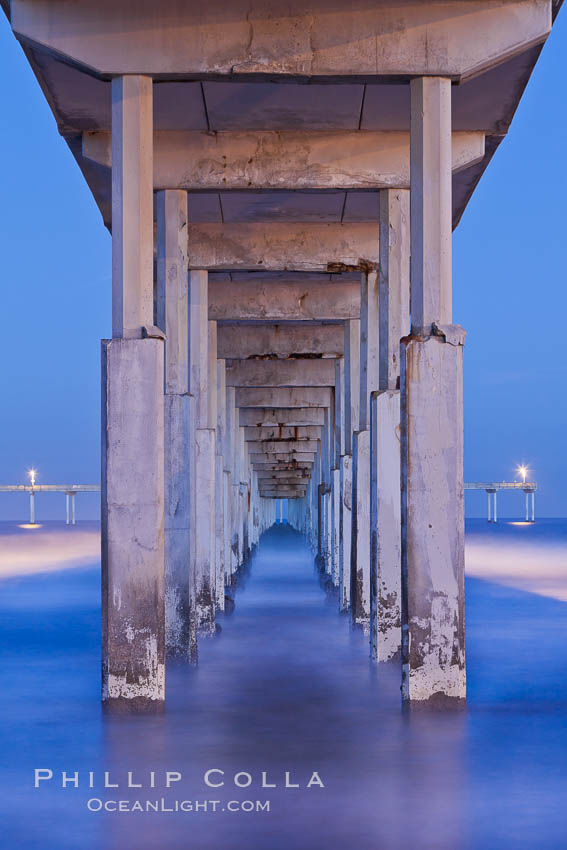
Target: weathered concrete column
(433,636)
(360,545)
(431,203)
(172,318)
(327,451)
(132,206)
(346,526)
(338,451)
(221,526)
(385,484)
(232,428)
(369,344)
(217,546)
(203,452)
(351,418)
(133,610)
(352,381)
(236,505)
(244,490)
(360,540)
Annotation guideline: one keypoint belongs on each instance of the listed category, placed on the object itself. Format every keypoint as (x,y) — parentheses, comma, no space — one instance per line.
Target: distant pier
(70,491)
(491,488)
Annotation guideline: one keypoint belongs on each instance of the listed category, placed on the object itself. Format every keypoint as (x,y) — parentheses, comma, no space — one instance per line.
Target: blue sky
(509,293)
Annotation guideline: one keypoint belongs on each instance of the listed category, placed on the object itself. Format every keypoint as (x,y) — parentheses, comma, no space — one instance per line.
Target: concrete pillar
(220,486)
(132,481)
(68,515)
(385,483)
(346,527)
(360,541)
(338,451)
(172,317)
(335,523)
(369,344)
(133,610)
(203,451)
(527,506)
(385,524)
(432,521)
(433,627)
(217,548)
(352,381)
(431,206)
(351,418)
(244,490)
(327,452)
(394,283)
(132,206)
(73,512)
(232,428)
(32,507)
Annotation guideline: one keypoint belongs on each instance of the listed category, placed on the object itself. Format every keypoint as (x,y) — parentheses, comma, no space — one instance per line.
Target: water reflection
(287,687)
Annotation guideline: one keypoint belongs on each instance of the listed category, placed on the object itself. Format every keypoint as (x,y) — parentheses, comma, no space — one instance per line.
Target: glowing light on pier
(523,471)
(32,473)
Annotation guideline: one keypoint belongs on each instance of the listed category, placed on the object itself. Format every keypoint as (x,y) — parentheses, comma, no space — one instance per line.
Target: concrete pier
(261,348)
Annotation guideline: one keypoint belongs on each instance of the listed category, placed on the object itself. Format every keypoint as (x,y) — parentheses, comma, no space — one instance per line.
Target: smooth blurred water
(287,686)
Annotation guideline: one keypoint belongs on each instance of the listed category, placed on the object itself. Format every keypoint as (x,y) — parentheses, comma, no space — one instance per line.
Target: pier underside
(281,188)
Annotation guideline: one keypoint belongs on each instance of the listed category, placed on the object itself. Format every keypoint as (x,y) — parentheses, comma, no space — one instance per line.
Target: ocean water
(287,686)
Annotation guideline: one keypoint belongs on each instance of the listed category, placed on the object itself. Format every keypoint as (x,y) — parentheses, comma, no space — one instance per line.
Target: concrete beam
(278,487)
(292,493)
(280,373)
(277,432)
(282,457)
(288,397)
(293,466)
(293,301)
(240,342)
(290,160)
(282,416)
(285,476)
(320,41)
(281,446)
(283,246)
